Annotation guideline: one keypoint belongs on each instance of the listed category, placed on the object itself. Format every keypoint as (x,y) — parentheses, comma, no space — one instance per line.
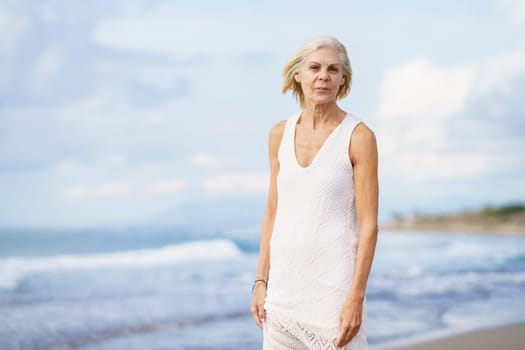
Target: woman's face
(321,76)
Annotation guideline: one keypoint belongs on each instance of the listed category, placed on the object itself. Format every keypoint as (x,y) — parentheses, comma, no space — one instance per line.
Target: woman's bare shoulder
(276,132)
(363,134)
(277,129)
(275,137)
(363,143)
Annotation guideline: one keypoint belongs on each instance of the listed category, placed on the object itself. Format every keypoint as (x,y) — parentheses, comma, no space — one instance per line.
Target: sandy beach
(504,338)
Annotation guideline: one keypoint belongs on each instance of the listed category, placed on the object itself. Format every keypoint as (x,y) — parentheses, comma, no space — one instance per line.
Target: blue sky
(158,112)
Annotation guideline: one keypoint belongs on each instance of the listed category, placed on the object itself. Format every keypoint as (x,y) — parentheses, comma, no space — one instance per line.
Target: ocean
(176,288)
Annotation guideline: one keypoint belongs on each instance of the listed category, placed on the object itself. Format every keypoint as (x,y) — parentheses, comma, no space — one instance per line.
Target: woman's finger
(262,313)
(255,313)
(348,335)
(342,337)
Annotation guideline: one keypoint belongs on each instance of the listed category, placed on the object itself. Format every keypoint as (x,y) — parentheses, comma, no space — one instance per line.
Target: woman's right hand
(257,308)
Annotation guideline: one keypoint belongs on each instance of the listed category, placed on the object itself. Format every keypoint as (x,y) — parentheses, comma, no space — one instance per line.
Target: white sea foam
(14,269)
(484,313)
(460,283)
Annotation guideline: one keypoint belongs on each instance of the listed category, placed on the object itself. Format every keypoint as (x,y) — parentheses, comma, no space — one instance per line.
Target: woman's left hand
(350,320)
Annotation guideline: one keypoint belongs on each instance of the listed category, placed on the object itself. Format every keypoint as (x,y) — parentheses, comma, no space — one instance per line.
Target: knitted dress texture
(314,241)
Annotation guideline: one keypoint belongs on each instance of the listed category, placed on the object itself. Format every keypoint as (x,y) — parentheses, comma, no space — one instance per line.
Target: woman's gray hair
(295,63)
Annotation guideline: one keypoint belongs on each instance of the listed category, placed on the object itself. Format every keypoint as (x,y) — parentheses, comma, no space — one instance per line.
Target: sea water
(176,288)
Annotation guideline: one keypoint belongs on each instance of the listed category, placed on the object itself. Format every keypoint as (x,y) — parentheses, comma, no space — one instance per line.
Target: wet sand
(502,338)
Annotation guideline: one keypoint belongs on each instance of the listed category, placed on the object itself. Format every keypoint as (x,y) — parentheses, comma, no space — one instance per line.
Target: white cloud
(499,73)
(420,108)
(105,190)
(419,90)
(113,160)
(113,106)
(110,106)
(67,167)
(12,26)
(236,183)
(102,107)
(204,160)
(179,31)
(159,77)
(168,186)
(417,99)
(46,67)
(108,167)
(213,31)
(513,9)
(422,165)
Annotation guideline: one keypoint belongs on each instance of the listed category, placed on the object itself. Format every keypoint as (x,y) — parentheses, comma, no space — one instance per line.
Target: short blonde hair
(295,63)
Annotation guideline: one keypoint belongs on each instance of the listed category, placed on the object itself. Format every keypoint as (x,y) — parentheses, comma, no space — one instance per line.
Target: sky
(151,112)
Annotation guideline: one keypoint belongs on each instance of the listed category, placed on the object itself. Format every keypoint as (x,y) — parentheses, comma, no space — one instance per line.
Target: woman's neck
(321,115)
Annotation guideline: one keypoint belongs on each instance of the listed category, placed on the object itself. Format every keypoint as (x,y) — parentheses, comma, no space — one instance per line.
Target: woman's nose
(323,74)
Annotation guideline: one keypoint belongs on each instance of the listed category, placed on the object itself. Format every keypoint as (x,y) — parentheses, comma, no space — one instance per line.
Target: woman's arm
(363,154)
(263,266)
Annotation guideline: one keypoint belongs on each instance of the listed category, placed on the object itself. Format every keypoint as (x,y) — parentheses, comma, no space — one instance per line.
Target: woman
(319,230)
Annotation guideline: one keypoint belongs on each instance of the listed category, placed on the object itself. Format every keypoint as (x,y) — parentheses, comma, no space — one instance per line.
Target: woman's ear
(297,77)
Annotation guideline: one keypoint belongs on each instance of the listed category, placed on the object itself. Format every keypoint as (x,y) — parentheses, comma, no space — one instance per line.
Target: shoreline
(504,337)
(387,228)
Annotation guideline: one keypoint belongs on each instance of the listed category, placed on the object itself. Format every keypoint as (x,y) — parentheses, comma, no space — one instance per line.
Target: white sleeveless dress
(313,245)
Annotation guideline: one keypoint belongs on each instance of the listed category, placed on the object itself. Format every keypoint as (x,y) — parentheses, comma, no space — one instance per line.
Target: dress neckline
(327,140)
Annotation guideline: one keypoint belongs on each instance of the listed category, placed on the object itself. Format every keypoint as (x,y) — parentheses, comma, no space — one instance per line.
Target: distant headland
(508,218)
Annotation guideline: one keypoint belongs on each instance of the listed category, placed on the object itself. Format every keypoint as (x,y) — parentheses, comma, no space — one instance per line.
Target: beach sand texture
(503,338)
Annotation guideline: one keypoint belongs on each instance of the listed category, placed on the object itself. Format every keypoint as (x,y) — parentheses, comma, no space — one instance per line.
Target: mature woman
(319,230)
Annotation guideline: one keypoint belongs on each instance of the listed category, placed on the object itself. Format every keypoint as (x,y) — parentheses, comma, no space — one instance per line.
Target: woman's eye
(313,67)
(334,69)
